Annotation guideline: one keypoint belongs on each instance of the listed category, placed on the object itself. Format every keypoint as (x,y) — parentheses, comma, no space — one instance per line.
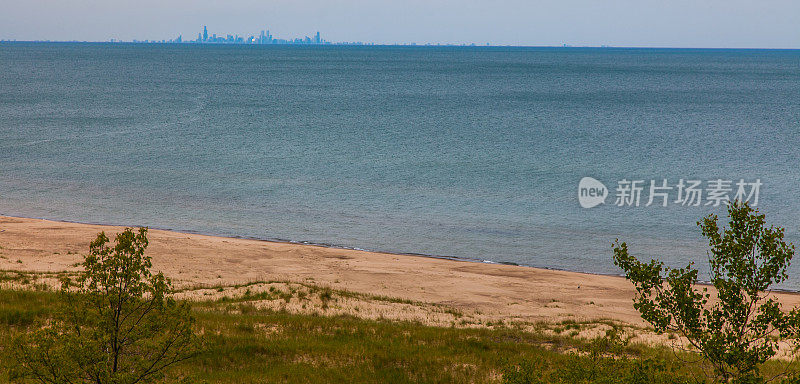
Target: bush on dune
(115,323)
(738,329)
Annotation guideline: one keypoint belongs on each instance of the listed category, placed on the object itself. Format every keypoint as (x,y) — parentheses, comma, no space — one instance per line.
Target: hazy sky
(664,23)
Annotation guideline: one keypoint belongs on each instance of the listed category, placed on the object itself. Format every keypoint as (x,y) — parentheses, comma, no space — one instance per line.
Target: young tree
(741,327)
(117,325)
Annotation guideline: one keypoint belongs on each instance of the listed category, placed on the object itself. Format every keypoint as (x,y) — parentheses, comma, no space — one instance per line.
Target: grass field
(245,344)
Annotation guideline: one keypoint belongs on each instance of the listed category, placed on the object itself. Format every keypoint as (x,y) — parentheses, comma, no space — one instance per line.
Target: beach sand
(489,291)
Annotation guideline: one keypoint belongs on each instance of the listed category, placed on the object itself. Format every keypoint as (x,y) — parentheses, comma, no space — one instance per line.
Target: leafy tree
(739,328)
(117,323)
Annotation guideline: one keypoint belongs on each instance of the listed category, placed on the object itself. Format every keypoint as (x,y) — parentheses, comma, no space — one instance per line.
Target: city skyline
(265,37)
(624,23)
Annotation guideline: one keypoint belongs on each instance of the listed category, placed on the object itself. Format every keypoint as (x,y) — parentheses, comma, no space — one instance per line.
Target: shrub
(116,323)
(741,329)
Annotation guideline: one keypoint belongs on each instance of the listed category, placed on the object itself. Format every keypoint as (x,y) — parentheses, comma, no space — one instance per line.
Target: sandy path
(499,291)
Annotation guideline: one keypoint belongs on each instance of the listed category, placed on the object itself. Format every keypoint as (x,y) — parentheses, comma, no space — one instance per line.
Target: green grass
(255,347)
(243,344)
(21,308)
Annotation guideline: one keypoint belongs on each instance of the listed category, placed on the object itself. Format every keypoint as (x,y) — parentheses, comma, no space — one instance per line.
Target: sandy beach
(496,292)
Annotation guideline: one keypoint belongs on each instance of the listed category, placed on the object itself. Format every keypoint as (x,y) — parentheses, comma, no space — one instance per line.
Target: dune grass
(243,344)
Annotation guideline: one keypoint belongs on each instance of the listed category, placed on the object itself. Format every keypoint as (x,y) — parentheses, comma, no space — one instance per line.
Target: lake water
(463,152)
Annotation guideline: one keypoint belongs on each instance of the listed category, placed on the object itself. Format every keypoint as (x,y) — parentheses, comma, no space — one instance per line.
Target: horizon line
(374,44)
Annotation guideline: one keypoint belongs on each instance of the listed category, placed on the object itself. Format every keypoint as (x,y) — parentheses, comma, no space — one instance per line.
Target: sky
(632,23)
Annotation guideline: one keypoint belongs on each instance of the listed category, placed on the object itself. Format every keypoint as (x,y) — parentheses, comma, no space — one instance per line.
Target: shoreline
(489,291)
(342,247)
(329,246)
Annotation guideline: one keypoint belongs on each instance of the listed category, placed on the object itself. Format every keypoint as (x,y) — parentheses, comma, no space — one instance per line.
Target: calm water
(465,152)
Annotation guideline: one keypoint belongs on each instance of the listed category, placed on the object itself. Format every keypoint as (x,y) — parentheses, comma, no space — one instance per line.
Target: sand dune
(510,293)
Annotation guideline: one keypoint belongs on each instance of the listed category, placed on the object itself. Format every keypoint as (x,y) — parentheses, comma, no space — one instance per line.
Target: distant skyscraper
(265,37)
